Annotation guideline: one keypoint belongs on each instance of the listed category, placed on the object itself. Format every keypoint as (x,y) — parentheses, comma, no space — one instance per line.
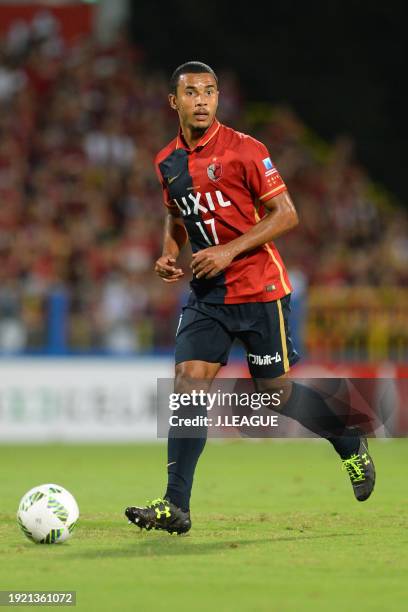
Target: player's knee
(189,372)
(281,385)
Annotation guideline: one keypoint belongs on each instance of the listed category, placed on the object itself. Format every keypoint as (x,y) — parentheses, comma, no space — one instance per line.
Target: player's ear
(172,101)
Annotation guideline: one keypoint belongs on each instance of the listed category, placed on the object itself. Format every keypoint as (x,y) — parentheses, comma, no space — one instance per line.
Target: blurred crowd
(81,209)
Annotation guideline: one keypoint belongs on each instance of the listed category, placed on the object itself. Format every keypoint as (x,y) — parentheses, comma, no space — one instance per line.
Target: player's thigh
(270,349)
(201,339)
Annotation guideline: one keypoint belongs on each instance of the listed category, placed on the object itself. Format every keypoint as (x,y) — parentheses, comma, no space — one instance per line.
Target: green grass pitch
(275,527)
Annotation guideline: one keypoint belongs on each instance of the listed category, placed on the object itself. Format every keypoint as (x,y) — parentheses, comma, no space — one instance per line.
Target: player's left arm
(281,217)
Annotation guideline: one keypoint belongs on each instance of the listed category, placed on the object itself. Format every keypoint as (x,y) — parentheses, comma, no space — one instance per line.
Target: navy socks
(182,456)
(310,409)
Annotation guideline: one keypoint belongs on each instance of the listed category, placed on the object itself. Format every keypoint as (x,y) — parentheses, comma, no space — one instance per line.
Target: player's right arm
(175,234)
(175,237)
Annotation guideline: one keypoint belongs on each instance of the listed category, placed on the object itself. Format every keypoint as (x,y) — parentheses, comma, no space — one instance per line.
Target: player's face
(196,100)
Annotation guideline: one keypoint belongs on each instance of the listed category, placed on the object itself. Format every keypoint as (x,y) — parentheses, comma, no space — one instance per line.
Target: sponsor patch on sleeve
(267,163)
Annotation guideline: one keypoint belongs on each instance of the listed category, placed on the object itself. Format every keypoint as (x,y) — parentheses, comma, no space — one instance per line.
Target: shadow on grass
(170,546)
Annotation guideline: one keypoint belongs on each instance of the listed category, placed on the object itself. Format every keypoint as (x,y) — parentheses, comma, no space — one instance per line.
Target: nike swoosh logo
(172,463)
(173,178)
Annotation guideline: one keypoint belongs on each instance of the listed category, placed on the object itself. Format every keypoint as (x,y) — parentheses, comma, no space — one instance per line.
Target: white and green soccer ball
(48,514)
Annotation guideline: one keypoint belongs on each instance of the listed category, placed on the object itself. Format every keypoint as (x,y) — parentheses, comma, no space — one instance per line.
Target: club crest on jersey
(214,171)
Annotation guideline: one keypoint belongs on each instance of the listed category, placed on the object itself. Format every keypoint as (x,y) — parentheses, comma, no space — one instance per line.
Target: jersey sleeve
(166,196)
(263,179)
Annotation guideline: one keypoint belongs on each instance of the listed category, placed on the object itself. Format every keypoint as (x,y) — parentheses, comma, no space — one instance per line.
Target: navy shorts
(206,332)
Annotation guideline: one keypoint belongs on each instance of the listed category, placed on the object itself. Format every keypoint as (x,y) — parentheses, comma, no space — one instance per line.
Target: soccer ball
(47,514)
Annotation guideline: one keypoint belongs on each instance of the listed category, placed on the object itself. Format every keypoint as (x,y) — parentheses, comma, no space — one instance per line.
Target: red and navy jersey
(218,187)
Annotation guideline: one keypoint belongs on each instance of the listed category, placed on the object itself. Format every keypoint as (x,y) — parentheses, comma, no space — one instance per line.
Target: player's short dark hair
(189,67)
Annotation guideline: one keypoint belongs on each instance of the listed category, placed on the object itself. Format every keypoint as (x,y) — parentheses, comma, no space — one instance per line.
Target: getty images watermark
(228,402)
(246,408)
(226,408)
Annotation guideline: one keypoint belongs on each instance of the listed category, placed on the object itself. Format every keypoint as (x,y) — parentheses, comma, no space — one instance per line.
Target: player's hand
(210,262)
(166,269)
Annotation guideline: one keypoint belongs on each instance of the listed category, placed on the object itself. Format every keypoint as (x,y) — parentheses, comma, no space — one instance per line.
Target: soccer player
(223,193)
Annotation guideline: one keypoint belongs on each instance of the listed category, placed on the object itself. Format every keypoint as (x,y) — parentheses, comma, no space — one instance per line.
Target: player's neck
(192,136)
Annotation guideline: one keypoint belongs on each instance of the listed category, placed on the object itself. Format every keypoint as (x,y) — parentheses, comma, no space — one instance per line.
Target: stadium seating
(81,211)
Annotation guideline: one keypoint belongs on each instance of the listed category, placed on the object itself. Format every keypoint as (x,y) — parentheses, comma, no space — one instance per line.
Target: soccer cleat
(361,470)
(160,514)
